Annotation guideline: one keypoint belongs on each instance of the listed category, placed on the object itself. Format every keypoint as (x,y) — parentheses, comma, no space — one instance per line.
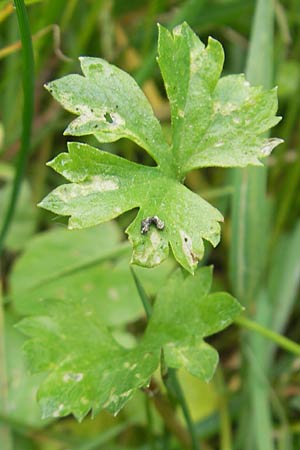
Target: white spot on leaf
(177,31)
(224,108)
(219,144)
(112,399)
(194,62)
(126,394)
(155,238)
(58,411)
(113,293)
(269,145)
(187,248)
(72,377)
(94,185)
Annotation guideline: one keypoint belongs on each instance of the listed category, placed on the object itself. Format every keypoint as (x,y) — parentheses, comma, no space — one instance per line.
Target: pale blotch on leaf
(269,145)
(59,410)
(72,377)
(187,247)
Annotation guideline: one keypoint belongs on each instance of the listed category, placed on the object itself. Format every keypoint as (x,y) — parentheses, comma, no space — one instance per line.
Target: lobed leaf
(184,314)
(190,72)
(110,105)
(104,186)
(89,370)
(215,122)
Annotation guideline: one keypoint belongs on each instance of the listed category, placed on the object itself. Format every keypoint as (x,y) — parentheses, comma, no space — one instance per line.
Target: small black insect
(145,224)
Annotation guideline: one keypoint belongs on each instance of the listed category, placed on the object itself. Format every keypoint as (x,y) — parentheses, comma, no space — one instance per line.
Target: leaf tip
(269,145)
(48,87)
(67,131)
(49,163)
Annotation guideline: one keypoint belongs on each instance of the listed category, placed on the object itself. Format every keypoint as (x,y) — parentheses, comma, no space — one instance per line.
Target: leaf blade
(104,186)
(89,370)
(110,105)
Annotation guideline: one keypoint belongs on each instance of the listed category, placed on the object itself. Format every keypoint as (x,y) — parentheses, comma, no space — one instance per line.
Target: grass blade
(249,245)
(28,109)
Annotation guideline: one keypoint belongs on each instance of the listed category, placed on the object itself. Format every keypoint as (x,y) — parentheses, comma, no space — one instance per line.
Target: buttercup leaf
(215,122)
(89,370)
(104,186)
(103,99)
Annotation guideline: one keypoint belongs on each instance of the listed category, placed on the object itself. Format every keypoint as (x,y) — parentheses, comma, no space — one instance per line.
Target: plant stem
(170,380)
(176,387)
(167,413)
(143,296)
(28,108)
(151,436)
(226,433)
(281,341)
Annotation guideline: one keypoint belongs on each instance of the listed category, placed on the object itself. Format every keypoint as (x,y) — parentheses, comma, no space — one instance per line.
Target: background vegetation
(254,399)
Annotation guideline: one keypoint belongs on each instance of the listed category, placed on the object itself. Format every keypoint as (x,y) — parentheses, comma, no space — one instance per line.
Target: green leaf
(21,406)
(87,368)
(82,264)
(110,105)
(215,122)
(104,186)
(53,254)
(184,313)
(190,72)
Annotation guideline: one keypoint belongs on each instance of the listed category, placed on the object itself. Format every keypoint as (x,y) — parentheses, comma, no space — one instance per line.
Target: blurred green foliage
(236,411)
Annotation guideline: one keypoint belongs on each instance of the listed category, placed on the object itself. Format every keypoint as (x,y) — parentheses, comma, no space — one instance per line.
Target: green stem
(150,432)
(28,108)
(171,381)
(281,341)
(226,433)
(143,296)
(176,388)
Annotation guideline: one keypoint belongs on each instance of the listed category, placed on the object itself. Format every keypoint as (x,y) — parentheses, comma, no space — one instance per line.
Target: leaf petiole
(281,341)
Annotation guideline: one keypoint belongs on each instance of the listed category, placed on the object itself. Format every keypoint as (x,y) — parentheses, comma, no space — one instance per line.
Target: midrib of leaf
(178,123)
(249,240)
(117,252)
